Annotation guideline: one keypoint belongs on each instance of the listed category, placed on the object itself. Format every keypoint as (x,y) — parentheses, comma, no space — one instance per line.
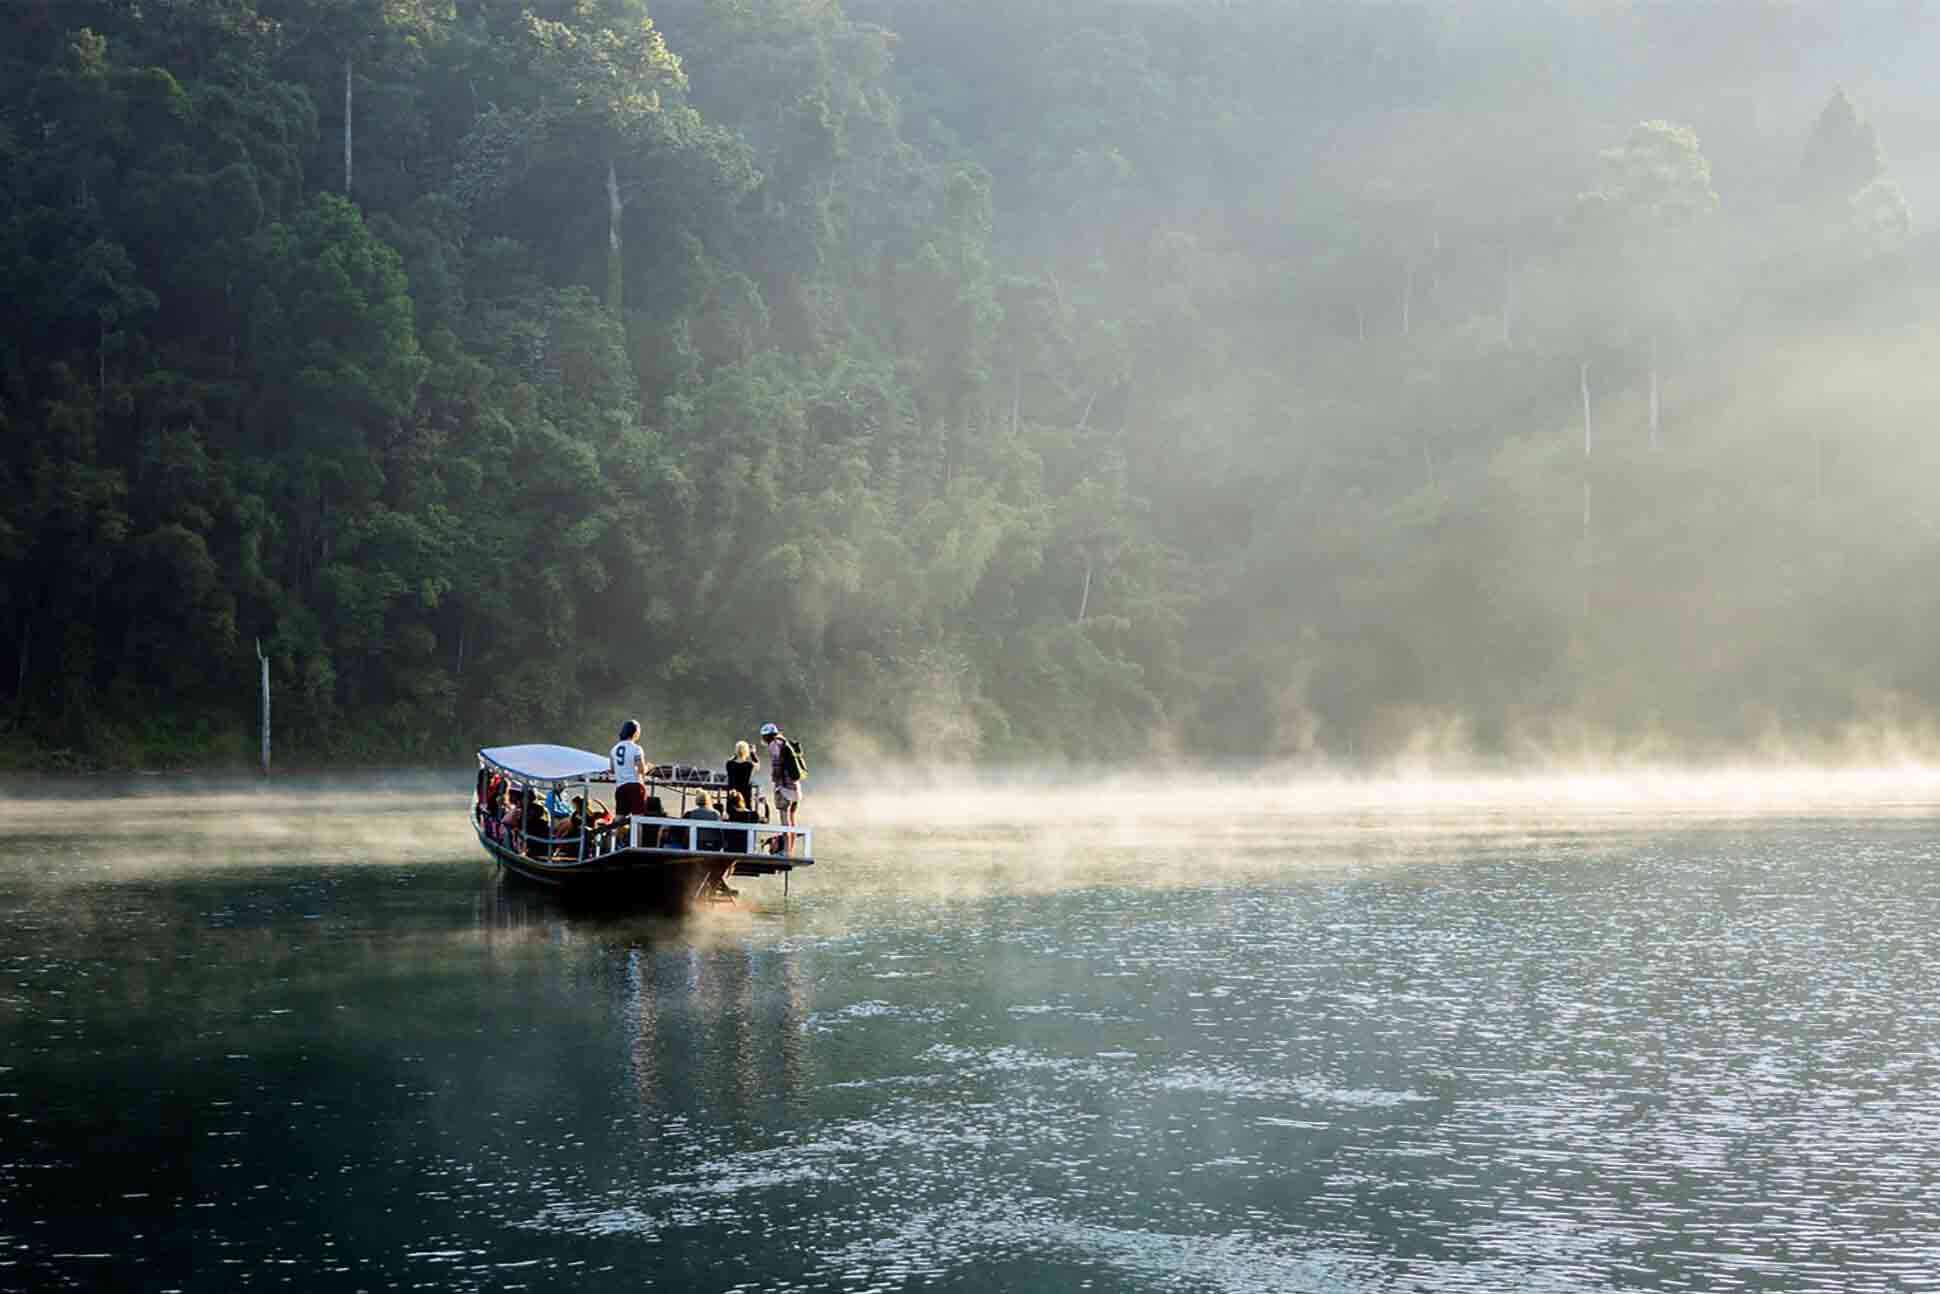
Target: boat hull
(666,879)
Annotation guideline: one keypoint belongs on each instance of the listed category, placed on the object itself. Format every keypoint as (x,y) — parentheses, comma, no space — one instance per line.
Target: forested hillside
(1329,378)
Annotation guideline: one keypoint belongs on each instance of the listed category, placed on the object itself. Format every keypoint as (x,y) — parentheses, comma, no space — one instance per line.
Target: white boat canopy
(557,764)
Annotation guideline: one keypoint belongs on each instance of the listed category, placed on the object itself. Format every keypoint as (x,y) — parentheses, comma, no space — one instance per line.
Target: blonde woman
(740,772)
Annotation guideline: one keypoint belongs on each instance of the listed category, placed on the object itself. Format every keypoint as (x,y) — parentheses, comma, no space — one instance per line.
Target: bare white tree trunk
(347,84)
(1084,598)
(1586,541)
(1016,396)
(1360,322)
(1585,375)
(1655,408)
(1408,303)
(264,661)
(615,268)
(1587,443)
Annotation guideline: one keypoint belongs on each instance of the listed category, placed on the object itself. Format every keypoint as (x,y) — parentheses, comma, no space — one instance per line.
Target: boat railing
(626,833)
(754,833)
(571,845)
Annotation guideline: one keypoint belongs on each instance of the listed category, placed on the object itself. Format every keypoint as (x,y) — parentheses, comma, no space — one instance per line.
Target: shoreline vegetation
(1342,384)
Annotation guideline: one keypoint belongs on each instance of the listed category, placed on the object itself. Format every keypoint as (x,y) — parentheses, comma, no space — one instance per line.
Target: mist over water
(1118,827)
(1652,1031)
(1510,421)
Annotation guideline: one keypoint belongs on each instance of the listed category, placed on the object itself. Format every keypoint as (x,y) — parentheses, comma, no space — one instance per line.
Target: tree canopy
(1115,376)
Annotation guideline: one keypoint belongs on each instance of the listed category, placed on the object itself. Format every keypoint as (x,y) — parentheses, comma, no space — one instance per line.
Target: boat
(668,860)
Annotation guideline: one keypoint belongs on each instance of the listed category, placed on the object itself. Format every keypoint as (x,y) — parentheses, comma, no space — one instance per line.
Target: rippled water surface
(310,1040)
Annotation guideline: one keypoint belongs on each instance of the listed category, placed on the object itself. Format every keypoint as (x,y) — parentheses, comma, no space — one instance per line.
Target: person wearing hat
(786,776)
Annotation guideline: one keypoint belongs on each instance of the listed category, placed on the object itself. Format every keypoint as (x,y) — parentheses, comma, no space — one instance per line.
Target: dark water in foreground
(327,1048)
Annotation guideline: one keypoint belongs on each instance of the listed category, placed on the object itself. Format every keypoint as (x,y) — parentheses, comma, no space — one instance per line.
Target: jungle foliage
(1325,378)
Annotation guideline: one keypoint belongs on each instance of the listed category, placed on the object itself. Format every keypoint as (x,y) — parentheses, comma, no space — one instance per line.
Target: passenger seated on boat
(703,811)
(593,824)
(650,837)
(489,797)
(510,815)
(537,827)
(739,842)
(590,821)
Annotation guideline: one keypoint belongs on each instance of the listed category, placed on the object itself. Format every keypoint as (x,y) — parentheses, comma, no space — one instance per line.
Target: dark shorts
(629,797)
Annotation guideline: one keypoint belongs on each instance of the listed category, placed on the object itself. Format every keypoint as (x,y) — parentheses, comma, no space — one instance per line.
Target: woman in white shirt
(629,771)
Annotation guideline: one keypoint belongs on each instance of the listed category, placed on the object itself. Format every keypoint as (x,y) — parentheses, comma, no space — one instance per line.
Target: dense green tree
(1112,375)
(1841,154)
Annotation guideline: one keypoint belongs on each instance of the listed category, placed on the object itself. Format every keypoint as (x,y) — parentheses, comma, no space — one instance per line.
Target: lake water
(1538,1038)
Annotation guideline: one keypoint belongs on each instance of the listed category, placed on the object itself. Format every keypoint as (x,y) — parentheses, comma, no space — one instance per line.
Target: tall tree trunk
(1084,598)
(1016,396)
(1585,375)
(1587,443)
(615,270)
(1655,408)
(264,660)
(1586,541)
(347,107)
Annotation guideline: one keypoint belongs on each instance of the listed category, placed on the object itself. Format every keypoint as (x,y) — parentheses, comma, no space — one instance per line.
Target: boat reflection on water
(728,992)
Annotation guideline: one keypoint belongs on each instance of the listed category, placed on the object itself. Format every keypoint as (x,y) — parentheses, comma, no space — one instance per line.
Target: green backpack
(794,764)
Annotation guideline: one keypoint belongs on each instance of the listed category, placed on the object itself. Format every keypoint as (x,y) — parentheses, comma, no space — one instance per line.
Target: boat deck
(610,857)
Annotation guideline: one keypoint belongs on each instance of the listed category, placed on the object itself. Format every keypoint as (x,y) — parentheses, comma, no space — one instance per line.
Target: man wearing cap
(787,779)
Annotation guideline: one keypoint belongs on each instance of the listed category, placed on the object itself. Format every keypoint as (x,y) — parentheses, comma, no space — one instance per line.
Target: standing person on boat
(740,773)
(785,769)
(630,766)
